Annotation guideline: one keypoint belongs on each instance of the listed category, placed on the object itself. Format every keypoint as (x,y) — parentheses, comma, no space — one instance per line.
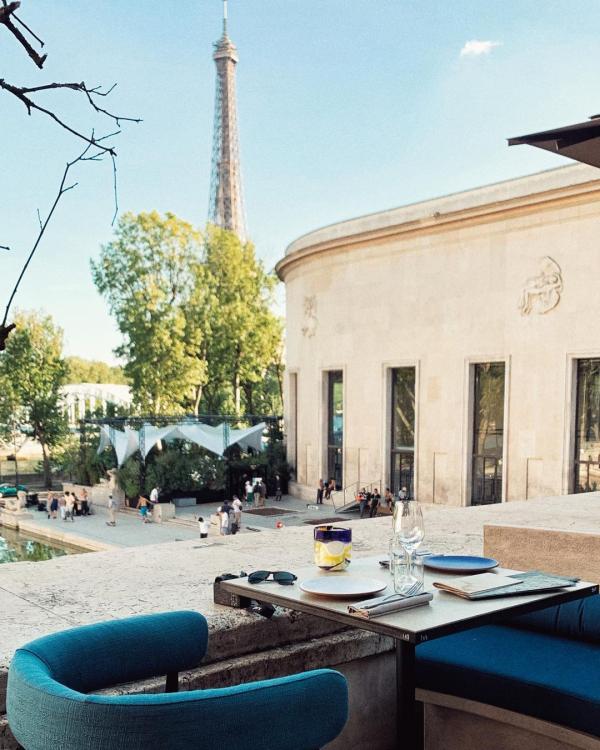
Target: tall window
(488,433)
(587,427)
(335,427)
(402,442)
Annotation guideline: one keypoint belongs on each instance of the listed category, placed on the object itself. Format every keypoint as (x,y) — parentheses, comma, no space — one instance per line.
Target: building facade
(451,346)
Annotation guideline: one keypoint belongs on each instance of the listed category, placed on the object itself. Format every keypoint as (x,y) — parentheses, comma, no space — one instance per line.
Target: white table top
(446,614)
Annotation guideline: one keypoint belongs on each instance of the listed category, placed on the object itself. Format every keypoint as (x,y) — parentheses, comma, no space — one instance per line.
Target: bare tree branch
(95,148)
(6,12)
(89,93)
(114,164)
(26,27)
(21,92)
(62,189)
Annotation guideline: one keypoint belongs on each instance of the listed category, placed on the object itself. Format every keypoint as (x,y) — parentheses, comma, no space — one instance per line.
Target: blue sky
(345,107)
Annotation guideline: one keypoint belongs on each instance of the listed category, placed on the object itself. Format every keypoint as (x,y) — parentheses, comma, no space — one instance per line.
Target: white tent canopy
(214,438)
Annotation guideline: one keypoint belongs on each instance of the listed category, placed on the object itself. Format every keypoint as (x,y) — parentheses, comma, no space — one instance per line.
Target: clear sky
(345,107)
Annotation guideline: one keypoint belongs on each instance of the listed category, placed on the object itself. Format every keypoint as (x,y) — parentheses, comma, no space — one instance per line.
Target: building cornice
(533,193)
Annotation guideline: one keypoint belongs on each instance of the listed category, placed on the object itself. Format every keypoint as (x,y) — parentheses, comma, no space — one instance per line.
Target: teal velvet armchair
(51,705)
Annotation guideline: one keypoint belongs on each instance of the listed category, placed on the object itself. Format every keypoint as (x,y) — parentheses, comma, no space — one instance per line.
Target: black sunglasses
(280,576)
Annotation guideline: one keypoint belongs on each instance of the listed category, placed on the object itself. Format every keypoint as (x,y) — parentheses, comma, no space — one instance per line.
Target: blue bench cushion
(579,619)
(534,673)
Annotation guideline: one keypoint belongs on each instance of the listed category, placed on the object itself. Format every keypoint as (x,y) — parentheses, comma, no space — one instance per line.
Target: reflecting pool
(16,547)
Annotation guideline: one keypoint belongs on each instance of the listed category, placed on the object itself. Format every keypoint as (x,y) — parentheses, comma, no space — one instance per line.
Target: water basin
(16,547)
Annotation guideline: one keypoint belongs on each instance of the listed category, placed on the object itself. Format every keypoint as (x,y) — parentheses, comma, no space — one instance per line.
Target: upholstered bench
(51,703)
(545,665)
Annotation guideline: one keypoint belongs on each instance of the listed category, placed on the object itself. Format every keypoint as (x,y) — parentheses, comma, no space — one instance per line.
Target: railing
(348,494)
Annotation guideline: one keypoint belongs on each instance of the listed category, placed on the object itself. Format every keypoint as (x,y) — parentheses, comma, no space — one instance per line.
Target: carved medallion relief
(541,293)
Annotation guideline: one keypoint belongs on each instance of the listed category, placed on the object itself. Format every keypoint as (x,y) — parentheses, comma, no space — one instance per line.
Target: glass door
(488,433)
(335,427)
(402,439)
(586,464)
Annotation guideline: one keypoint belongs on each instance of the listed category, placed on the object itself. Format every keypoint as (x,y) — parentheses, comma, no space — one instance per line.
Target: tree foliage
(148,274)
(195,313)
(244,346)
(32,370)
(81,370)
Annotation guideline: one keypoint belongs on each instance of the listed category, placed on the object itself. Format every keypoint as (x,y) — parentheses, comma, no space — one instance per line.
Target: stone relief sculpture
(541,293)
(310,316)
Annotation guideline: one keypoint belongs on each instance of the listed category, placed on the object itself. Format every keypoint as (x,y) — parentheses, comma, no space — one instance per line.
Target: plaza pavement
(130,531)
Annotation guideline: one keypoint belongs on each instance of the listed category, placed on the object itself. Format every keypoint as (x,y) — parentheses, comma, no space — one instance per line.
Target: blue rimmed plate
(459,563)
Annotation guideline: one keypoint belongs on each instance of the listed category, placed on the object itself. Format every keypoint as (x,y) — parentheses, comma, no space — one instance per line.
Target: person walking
(142,506)
(202,527)
(62,507)
(52,505)
(224,518)
(85,505)
(257,494)
(112,509)
(277,488)
(69,506)
(249,492)
(389,499)
(329,489)
(320,490)
(237,511)
(363,502)
(375,498)
(263,492)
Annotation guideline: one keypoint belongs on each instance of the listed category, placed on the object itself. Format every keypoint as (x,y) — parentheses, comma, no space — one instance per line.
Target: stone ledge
(552,550)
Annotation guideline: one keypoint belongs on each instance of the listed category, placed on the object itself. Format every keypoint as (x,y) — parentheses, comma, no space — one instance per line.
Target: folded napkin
(383,605)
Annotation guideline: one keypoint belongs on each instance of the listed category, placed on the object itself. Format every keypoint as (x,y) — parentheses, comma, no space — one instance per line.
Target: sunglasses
(279,576)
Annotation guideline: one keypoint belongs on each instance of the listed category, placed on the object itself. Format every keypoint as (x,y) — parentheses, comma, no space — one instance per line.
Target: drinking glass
(410,532)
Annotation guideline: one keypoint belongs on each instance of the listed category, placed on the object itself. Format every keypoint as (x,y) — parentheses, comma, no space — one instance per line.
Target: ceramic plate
(342,586)
(459,563)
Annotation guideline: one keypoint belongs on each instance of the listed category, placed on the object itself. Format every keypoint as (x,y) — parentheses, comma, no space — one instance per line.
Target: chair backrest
(96,656)
(46,710)
(579,620)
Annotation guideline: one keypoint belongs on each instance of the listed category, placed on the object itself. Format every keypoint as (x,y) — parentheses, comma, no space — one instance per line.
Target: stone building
(451,346)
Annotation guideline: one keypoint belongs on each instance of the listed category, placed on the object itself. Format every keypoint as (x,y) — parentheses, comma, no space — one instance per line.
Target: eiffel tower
(226,207)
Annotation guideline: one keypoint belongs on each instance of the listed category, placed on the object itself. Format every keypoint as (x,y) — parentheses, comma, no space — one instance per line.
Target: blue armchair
(49,704)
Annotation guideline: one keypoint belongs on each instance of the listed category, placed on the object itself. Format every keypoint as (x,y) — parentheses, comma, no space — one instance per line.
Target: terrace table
(446,614)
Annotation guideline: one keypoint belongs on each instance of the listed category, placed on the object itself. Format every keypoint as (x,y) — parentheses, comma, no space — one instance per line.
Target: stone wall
(440,286)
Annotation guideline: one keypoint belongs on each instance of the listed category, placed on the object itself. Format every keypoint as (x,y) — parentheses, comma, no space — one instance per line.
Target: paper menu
(476,584)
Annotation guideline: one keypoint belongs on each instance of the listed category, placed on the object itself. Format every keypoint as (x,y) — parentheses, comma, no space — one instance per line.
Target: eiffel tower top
(225,47)
(226,203)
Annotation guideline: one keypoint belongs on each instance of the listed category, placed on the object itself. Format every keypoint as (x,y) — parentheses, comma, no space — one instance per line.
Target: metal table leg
(409,713)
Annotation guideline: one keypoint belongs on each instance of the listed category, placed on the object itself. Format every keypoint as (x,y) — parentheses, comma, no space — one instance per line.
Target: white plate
(342,586)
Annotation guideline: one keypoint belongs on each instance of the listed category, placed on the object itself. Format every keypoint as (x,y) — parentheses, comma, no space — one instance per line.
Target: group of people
(371,502)
(256,492)
(230,518)
(145,506)
(325,490)
(67,505)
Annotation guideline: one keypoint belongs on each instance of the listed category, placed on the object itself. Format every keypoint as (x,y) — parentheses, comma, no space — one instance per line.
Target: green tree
(243,350)
(196,316)
(148,274)
(81,370)
(32,370)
